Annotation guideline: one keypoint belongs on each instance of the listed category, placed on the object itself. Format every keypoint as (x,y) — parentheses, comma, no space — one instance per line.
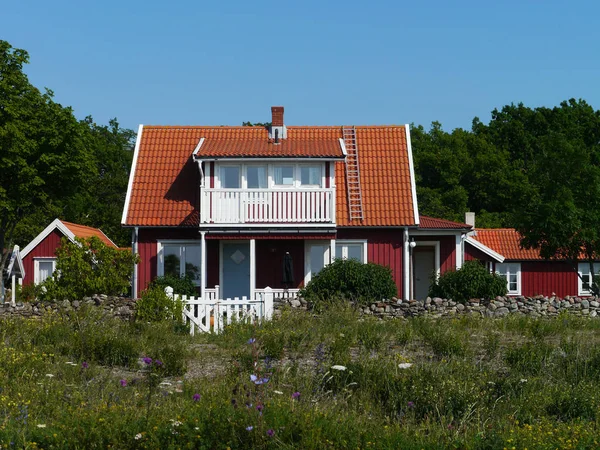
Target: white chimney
(470,218)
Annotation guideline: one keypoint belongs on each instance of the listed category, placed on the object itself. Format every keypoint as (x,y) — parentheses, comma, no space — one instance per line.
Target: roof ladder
(352,173)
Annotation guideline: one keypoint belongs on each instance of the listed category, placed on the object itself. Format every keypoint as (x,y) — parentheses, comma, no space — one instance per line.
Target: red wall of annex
(548,277)
(471,254)
(45,249)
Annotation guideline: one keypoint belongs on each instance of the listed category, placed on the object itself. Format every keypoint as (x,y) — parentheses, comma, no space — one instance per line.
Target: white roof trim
(56,223)
(413,185)
(485,249)
(343,147)
(132,174)
(197,149)
(16,256)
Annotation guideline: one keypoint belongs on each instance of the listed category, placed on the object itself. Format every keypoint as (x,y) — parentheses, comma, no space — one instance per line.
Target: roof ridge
(289,127)
(79,225)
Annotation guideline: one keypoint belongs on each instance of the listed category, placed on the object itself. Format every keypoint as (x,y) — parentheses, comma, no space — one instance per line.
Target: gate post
(268,303)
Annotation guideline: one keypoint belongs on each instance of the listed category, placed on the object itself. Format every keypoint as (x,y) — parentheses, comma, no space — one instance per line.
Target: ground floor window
(43,269)
(512,273)
(585,277)
(351,250)
(180,259)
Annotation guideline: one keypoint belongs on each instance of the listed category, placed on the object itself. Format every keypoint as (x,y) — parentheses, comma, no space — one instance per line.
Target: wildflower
(270,432)
(147,360)
(257,380)
(49,375)
(251,341)
(123,382)
(410,404)
(138,436)
(278,392)
(249,428)
(259,407)
(41,425)
(158,363)
(84,365)
(404,365)
(338,367)
(196,397)
(523,380)
(296,395)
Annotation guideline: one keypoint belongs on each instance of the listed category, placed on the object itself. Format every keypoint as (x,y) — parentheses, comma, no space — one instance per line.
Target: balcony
(268,206)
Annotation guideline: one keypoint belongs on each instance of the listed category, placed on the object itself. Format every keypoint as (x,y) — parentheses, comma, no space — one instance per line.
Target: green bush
(181,285)
(156,306)
(351,280)
(86,267)
(472,280)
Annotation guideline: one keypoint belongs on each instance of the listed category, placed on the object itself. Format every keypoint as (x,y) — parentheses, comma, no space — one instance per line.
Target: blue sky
(329,63)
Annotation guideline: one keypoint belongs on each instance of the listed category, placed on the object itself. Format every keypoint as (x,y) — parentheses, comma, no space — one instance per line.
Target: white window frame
(270,168)
(508,272)
(36,267)
(308,244)
(160,261)
(242,175)
(345,242)
(583,269)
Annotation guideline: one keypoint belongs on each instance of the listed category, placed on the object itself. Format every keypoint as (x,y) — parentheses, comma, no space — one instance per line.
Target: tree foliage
(86,267)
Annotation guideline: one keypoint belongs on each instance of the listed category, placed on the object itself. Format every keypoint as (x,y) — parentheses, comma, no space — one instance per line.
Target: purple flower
(410,404)
(123,382)
(147,360)
(84,365)
(259,407)
(296,395)
(196,397)
(257,380)
(250,428)
(251,341)
(270,432)
(158,363)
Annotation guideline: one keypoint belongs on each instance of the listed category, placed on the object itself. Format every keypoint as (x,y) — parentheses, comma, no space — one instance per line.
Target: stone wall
(121,307)
(501,306)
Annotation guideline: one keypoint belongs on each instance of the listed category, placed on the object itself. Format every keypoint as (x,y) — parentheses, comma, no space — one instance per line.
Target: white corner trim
(413,185)
(132,174)
(17,258)
(56,223)
(197,149)
(343,147)
(485,249)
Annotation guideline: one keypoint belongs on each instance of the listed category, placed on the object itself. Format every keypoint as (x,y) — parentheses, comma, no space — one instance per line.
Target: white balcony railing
(256,206)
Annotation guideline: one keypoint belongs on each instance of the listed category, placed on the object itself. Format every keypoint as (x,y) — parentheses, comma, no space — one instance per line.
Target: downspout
(134,250)
(406,266)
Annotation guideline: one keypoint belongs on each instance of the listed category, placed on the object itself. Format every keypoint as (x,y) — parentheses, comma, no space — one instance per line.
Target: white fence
(268,206)
(211,314)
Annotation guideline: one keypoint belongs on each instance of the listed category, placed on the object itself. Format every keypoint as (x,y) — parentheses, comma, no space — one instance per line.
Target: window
(316,257)
(351,250)
(43,268)
(256,177)
(230,177)
(512,273)
(179,259)
(310,176)
(585,279)
(284,175)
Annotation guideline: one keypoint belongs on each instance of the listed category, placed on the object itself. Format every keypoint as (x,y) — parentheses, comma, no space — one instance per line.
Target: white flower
(138,436)
(278,392)
(49,375)
(71,363)
(41,425)
(404,365)
(523,380)
(165,383)
(176,423)
(337,367)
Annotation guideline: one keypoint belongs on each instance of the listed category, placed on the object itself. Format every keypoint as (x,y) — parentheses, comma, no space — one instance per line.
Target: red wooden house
(235,206)
(527,273)
(39,256)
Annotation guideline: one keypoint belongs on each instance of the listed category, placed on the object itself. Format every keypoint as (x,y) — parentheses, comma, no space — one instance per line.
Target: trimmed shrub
(181,285)
(472,280)
(351,280)
(156,306)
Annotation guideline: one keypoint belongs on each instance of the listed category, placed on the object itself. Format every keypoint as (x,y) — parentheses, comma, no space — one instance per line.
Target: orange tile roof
(82,231)
(164,191)
(505,241)
(433,223)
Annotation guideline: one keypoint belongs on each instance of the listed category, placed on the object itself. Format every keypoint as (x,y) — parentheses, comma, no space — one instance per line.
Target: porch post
(459,251)
(134,250)
(252,268)
(202,264)
(406,267)
(332,251)
(13,293)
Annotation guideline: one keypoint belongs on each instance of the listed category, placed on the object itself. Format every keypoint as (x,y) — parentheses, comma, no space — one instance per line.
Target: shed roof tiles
(506,242)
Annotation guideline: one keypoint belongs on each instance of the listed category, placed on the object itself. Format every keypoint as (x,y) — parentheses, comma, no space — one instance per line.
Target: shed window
(512,273)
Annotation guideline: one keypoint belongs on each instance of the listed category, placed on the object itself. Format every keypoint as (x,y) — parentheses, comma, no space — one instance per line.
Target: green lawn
(336,380)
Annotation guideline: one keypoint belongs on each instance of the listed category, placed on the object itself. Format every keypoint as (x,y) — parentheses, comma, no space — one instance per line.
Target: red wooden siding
(472,253)
(269,262)
(45,249)
(447,250)
(384,247)
(548,277)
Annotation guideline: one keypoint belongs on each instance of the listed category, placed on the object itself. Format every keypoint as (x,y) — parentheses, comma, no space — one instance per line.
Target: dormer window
(284,175)
(311,176)
(256,177)
(230,177)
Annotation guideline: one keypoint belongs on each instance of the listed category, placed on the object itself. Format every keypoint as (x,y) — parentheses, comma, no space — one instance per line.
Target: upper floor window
(512,273)
(230,177)
(585,277)
(310,176)
(256,177)
(265,176)
(283,175)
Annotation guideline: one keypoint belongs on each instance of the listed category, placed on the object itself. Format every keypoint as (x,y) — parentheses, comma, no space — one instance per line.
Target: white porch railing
(288,294)
(229,206)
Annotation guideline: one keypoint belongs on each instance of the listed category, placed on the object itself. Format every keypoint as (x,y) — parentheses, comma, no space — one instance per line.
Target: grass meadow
(337,380)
